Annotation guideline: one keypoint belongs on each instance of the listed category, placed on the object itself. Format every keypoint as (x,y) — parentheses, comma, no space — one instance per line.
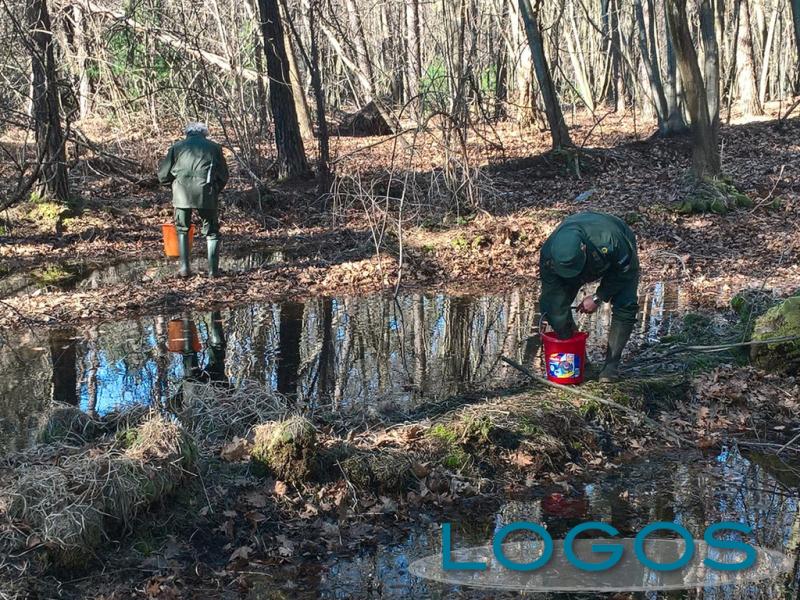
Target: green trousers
(558,296)
(209,217)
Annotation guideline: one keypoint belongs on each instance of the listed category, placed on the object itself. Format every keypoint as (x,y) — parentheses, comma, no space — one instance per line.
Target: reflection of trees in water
(64,379)
(290,333)
(25,388)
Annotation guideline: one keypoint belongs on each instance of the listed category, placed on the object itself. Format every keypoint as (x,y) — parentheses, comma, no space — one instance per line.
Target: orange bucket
(171,239)
(176,337)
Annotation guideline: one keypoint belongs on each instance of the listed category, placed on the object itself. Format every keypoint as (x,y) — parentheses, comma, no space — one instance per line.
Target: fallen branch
(723,347)
(658,427)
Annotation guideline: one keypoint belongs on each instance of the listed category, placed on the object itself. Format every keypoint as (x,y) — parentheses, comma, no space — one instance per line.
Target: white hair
(196,129)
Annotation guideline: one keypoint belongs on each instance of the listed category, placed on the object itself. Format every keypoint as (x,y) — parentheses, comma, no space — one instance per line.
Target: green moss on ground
(713,195)
(56,276)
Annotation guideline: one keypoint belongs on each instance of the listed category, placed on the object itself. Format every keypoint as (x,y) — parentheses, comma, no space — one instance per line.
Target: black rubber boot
(183,248)
(617,338)
(213,257)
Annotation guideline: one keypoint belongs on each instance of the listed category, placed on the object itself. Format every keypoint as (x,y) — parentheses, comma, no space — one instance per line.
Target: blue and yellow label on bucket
(564,365)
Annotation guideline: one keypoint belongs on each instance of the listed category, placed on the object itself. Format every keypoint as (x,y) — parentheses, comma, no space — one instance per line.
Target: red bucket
(565,360)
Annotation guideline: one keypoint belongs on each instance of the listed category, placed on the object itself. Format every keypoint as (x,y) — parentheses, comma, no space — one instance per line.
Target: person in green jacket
(197,170)
(584,248)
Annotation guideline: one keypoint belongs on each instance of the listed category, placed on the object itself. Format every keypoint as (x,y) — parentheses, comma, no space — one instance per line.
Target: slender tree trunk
(555,118)
(578,63)
(710,59)
(745,59)
(705,147)
(650,63)
(292,162)
(763,83)
(81,58)
(53,181)
(675,122)
(617,98)
(323,169)
(796,21)
(300,102)
(413,55)
(362,53)
(501,68)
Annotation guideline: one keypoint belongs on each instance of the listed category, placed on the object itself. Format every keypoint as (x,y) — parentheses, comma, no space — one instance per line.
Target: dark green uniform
(609,247)
(197,170)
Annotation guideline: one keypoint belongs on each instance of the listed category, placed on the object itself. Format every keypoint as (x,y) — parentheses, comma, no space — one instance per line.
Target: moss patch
(711,195)
(287,449)
(779,321)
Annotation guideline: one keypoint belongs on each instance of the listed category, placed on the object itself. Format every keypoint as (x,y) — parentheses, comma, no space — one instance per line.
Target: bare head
(197,129)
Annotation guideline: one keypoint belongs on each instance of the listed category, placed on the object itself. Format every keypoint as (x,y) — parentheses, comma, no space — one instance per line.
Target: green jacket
(197,170)
(610,256)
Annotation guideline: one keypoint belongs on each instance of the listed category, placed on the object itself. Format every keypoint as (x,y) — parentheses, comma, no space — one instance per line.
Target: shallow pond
(376,354)
(689,488)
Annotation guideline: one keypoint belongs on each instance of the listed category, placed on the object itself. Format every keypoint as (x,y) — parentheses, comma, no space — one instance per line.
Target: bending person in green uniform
(197,170)
(584,248)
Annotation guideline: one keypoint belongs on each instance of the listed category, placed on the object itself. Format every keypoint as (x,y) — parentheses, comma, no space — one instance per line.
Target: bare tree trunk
(705,147)
(796,21)
(362,54)
(578,62)
(292,162)
(617,97)
(53,181)
(675,122)
(765,63)
(81,58)
(413,54)
(650,63)
(555,118)
(300,102)
(710,59)
(745,59)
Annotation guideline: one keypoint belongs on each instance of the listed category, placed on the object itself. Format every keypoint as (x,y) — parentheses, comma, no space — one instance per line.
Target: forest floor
(232,533)
(350,244)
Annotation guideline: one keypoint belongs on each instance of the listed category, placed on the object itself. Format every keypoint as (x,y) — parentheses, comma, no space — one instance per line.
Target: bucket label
(564,365)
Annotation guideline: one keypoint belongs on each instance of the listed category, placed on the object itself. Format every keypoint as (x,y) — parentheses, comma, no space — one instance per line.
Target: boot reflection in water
(191,360)
(215,369)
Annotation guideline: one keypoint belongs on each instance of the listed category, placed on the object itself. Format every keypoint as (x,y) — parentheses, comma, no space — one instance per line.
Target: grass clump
(385,470)
(66,424)
(70,506)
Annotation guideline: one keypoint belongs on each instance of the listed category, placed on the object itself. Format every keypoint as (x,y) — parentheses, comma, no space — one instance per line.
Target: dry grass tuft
(214,414)
(67,507)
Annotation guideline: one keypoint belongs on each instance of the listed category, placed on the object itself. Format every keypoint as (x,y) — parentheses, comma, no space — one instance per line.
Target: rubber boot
(183,248)
(213,257)
(617,338)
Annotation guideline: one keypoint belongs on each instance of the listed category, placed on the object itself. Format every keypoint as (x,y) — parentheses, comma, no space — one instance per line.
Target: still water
(690,488)
(376,354)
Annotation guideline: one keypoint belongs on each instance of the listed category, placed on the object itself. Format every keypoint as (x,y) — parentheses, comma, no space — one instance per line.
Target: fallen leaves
(236,450)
